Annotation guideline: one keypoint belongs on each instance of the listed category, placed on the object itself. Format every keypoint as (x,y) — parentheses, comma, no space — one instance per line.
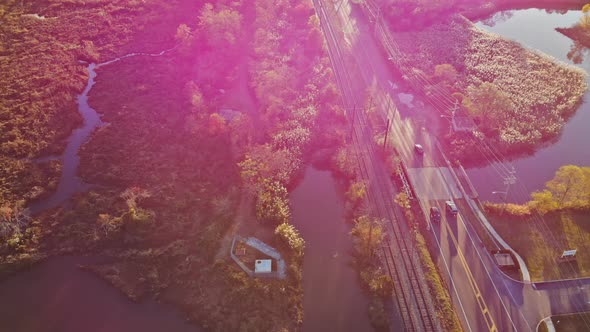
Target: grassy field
(541,242)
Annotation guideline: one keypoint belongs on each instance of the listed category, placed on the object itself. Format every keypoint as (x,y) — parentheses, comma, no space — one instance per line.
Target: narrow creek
(333,299)
(57,296)
(69,182)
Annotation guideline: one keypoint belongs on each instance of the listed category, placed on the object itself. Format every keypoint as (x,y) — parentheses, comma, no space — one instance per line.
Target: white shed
(263,266)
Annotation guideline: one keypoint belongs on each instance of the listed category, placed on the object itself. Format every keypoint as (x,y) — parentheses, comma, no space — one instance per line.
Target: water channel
(333,299)
(56,296)
(535,29)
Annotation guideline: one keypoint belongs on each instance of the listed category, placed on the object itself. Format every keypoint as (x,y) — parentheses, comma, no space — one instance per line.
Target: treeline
(580,35)
(293,84)
(418,14)
(568,190)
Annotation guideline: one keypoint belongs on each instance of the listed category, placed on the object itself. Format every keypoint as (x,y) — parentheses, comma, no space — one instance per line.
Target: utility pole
(509,180)
(386,134)
(453,112)
(353,119)
(370,239)
(340,5)
(377,20)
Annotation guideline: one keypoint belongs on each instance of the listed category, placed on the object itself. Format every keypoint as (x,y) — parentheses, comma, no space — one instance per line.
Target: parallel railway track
(398,254)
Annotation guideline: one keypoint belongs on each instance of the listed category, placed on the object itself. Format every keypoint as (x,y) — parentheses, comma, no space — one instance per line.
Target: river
(333,299)
(535,29)
(56,296)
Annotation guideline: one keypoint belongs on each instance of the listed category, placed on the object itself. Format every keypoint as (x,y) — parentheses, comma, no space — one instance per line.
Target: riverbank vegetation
(416,14)
(501,89)
(227,117)
(554,220)
(41,44)
(580,35)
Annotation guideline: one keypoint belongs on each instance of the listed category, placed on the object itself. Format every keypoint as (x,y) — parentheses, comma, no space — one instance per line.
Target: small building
(263,266)
(504,259)
(249,251)
(567,256)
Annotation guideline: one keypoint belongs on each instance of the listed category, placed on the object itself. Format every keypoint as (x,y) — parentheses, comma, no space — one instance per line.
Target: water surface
(333,299)
(56,296)
(535,28)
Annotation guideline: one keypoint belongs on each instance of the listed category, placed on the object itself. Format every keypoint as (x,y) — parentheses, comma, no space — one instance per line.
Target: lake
(535,29)
(57,296)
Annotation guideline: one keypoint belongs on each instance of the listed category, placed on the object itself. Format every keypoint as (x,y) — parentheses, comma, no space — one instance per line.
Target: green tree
(216,125)
(272,204)
(345,161)
(262,164)
(132,196)
(184,39)
(195,96)
(368,235)
(571,185)
(241,131)
(403,200)
(543,201)
(108,224)
(488,104)
(13,219)
(446,72)
(220,27)
(379,283)
(357,193)
(290,236)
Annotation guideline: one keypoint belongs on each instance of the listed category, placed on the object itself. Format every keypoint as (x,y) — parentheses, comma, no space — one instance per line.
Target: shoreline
(483,13)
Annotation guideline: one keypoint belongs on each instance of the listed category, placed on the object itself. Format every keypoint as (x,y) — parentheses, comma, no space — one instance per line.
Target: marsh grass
(544,92)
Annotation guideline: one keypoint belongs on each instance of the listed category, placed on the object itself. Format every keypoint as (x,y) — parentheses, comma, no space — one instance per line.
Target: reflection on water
(535,29)
(333,299)
(56,296)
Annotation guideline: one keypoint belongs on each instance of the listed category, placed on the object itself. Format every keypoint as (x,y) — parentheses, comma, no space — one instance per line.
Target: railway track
(397,254)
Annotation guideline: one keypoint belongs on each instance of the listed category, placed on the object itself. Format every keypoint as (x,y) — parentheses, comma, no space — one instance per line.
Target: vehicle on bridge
(435,214)
(419,149)
(451,208)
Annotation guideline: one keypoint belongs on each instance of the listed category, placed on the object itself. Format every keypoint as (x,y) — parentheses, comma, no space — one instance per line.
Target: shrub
(290,237)
(378,316)
(379,283)
(508,210)
(368,234)
(272,204)
(357,192)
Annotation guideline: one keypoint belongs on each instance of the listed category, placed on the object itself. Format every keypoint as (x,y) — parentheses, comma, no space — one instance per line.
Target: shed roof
(263,266)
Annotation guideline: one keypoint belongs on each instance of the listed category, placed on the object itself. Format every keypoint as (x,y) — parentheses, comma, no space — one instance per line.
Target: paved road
(485,299)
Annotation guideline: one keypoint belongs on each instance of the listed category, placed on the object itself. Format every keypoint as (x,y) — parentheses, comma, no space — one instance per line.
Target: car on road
(451,207)
(419,149)
(434,214)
